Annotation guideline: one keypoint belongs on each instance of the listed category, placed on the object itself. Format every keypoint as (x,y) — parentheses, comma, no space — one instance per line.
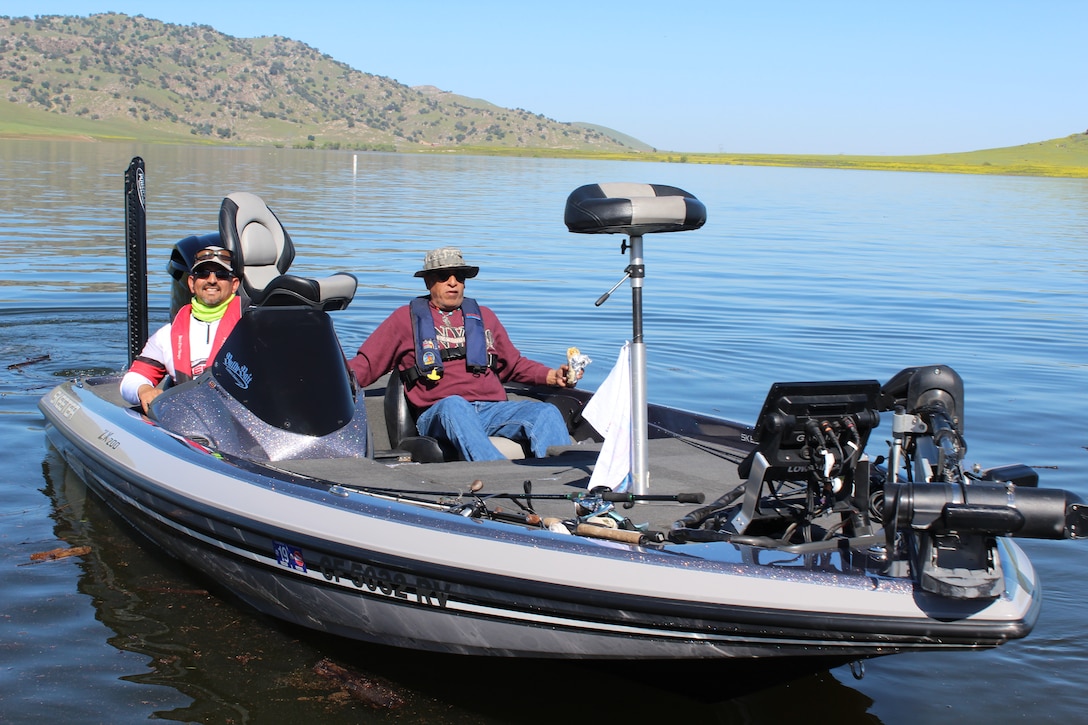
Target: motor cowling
(982,507)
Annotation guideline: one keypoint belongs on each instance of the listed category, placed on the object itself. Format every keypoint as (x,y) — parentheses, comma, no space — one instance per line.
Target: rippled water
(798,275)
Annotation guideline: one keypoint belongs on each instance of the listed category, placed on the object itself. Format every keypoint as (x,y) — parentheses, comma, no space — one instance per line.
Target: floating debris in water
(61,553)
(30,361)
(374,691)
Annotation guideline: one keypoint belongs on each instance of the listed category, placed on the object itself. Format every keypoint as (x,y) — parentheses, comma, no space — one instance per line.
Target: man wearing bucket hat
(185,347)
(454,357)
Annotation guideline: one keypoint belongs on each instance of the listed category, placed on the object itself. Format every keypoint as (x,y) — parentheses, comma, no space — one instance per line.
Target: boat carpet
(675,467)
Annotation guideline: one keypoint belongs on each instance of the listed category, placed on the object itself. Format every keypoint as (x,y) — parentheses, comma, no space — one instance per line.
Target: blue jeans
(468,425)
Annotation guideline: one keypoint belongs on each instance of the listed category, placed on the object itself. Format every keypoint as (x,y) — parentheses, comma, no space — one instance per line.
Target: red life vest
(179,338)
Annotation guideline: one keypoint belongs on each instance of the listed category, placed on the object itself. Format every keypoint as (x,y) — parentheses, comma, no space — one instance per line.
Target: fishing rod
(700,445)
(582,525)
(474,490)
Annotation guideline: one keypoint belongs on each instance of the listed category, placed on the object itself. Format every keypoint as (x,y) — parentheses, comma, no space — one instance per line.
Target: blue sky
(763,76)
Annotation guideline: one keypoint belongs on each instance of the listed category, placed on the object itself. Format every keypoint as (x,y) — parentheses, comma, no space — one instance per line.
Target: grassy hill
(113,76)
(117,76)
(1062,157)
(1067,157)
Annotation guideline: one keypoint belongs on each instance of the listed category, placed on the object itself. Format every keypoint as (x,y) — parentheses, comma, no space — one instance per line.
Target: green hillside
(1067,156)
(113,76)
(116,76)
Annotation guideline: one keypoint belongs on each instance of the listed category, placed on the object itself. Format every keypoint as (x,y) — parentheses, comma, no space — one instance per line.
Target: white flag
(609,412)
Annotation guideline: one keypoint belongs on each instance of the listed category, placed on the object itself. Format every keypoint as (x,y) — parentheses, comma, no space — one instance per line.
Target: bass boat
(313,501)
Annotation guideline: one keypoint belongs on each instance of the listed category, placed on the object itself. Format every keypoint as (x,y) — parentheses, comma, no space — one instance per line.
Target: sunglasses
(443,276)
(219,274)
(207,255)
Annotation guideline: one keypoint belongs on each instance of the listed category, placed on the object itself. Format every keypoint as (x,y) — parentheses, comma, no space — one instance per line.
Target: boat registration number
(422,590)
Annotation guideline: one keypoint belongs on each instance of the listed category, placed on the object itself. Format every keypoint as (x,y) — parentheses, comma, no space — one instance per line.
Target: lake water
(797,275)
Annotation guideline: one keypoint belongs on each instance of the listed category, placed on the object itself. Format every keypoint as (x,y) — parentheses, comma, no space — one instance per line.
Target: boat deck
(676,465)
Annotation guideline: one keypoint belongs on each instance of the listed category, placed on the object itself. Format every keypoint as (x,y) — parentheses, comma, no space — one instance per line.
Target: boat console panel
(286,367)
(811,436)
(278,389)
(798,419)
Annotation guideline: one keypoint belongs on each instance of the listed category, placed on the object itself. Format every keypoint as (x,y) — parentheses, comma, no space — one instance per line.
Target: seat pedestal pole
(640,467)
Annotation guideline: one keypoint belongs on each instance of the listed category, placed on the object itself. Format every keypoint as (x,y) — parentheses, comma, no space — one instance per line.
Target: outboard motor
(945,519)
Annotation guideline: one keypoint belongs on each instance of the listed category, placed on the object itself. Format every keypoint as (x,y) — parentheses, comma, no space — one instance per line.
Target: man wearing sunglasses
(186,346)
(454,356)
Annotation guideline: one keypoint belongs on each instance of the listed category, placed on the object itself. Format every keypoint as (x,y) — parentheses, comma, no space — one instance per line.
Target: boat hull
(381,570)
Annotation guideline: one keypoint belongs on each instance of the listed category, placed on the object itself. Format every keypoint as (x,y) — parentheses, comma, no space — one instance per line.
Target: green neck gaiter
(204,313)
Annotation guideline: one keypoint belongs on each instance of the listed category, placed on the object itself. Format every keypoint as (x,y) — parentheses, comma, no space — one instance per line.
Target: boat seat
(633,209)
(400,422)
(263,252)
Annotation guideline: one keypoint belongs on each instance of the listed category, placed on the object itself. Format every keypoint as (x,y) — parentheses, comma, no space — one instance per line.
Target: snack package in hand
(576,363)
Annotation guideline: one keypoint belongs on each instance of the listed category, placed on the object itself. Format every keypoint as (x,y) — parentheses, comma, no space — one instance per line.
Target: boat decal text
(107,438)
(65,404)
(392,584)
(238,371)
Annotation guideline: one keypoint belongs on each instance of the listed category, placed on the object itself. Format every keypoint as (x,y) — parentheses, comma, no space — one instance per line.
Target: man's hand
(147,393)
(558,376)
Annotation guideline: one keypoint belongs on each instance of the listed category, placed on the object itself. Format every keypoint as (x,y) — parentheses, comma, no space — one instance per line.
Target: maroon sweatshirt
(392,346)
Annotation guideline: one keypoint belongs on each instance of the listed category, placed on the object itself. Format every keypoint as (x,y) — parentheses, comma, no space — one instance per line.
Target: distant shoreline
(988,163)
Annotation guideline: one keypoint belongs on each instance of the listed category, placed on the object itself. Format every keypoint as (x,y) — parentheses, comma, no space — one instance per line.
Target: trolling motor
(809,487)
(944,520)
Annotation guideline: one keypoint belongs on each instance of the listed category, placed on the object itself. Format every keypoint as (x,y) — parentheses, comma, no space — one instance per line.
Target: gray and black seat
(635,210)
(263,253)
(400,423)
(632,208)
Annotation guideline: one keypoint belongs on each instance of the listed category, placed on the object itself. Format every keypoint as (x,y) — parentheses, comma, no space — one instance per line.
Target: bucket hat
(446,259)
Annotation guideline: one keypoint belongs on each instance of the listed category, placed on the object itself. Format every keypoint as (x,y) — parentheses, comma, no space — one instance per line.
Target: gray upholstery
(263,253)
(633,209)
